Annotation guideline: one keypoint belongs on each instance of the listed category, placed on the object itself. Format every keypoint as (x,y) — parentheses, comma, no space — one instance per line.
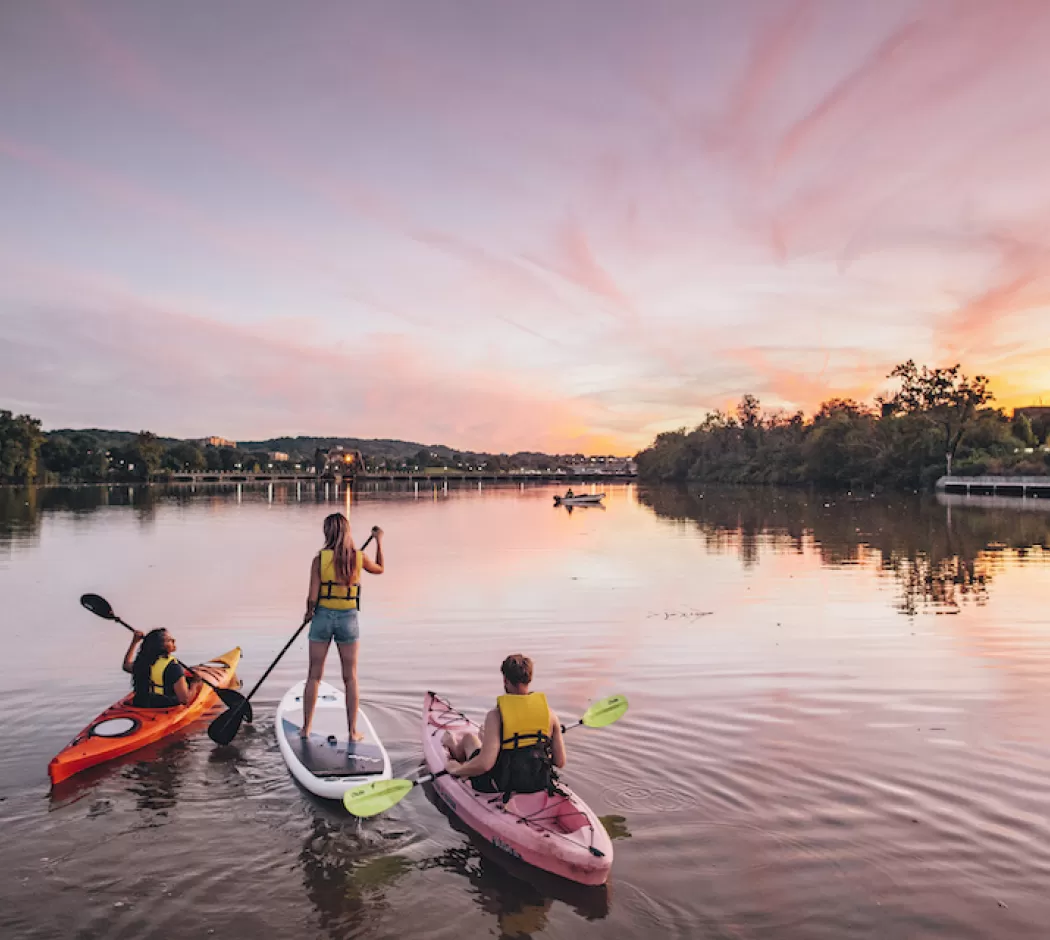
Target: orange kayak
(123,728)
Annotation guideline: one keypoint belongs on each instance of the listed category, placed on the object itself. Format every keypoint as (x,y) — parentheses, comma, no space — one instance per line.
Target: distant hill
(370,447)
(302,448)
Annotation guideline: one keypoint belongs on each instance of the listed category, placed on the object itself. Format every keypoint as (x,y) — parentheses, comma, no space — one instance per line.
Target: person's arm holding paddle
(374,567)
(129,656)
(557,742)
(314,590)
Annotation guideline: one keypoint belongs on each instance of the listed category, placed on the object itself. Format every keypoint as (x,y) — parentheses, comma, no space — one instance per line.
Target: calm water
(839,713)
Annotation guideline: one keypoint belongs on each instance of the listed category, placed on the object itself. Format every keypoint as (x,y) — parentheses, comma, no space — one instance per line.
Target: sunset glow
(514,226)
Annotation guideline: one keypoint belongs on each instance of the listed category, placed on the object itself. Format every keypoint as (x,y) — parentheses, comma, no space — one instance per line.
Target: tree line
(30,455)
(939,421)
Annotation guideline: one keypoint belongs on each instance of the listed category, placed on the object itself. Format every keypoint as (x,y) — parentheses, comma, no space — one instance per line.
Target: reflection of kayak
(328,764)
(581,500)
(556,832)
(122,728)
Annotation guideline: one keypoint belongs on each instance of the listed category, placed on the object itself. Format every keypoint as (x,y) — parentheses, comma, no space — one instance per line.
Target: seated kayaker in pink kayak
(521,741)
(158,678)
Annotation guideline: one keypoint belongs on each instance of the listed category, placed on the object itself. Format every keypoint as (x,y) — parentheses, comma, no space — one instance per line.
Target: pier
(1025,487)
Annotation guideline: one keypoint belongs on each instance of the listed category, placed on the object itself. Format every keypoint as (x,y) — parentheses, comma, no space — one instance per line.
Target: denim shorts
(330,624)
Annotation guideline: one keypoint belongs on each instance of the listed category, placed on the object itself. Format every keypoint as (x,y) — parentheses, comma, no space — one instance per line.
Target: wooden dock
(1025,487)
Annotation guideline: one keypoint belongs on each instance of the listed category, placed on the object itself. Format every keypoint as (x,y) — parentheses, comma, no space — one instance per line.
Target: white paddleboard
(328,764)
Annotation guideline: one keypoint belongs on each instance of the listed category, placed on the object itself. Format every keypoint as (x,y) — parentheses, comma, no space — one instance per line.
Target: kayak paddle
(370,799)
(100,607)
(224,728)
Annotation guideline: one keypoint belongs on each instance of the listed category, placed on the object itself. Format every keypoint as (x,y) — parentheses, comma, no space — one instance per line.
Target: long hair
(151,650)
(337,538)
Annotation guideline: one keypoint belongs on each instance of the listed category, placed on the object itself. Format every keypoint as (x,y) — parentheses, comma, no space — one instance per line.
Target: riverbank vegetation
(938,420)
(30,455)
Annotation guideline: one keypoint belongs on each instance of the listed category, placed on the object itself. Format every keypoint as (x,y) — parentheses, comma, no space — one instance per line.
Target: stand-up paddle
(100,607)
(371,799)
(224,728)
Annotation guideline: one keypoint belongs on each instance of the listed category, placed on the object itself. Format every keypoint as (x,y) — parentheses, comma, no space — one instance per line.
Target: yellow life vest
(156,674)
(526,720)
(334,594)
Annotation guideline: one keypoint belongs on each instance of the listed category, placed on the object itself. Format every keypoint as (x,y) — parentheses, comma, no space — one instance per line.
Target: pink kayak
(558,833)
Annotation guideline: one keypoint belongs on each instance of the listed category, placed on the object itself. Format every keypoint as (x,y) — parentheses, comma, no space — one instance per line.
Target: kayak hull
(579,500)
(123,728)
(558,833)
(327,764)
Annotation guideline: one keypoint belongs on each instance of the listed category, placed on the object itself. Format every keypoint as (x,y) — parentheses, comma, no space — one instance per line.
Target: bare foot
(356,736)
(447,741)
(304,733)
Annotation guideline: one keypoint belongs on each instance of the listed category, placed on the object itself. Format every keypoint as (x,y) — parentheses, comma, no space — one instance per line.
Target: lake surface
(839,724)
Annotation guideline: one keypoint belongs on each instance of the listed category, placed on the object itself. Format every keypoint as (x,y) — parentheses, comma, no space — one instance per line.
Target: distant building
(218,442)
(1034,412)
(278,456)
(341,461)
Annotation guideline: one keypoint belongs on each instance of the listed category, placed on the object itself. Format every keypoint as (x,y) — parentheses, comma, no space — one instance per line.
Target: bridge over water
(404,476)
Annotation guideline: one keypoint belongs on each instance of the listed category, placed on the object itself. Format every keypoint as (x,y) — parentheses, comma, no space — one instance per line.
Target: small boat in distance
(582,499)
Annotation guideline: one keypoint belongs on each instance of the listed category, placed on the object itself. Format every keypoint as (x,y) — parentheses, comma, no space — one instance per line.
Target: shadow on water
(152,774)
(349,885)
(940,555)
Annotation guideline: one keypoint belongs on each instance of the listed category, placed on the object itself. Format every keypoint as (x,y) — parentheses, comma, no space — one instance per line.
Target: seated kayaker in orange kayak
(521,741)
(158,678)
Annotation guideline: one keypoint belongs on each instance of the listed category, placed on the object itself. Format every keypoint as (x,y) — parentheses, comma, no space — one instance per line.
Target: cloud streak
(693,204)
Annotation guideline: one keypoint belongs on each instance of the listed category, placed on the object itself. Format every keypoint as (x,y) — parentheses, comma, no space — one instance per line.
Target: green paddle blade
(605,712)
(371,799)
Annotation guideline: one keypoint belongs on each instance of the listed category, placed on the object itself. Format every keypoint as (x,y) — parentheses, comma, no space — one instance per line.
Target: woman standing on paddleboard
(331,606)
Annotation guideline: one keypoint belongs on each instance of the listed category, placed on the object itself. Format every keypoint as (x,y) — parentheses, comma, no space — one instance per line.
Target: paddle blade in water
(232,699)
(99,606)
(224,728)
(374,798)
(605,712)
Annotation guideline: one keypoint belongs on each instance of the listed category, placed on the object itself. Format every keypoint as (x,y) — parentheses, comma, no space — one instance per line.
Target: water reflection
(518,895)
(348,891)
(941,556)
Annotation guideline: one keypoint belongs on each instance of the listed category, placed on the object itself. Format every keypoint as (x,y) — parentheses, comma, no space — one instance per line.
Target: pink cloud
(186,368)
(573,259)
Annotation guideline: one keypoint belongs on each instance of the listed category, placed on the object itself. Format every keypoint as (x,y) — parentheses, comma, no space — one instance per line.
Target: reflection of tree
(942,583)
(23,508)
(939,557)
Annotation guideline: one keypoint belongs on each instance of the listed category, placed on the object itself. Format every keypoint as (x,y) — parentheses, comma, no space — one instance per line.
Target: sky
(514,226)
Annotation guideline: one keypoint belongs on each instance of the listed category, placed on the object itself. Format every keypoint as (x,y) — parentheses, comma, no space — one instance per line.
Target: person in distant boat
(568,493)
(521,741)
(331,608)
(158,678)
